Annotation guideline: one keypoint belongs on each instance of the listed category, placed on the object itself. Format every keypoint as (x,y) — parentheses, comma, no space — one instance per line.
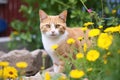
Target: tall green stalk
(102,7)
(84,5)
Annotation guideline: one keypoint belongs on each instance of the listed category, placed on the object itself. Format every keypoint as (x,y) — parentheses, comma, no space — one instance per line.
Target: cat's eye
(47,25)
(57,26)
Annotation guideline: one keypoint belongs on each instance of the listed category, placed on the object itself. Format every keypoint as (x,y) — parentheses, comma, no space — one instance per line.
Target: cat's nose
(53,32)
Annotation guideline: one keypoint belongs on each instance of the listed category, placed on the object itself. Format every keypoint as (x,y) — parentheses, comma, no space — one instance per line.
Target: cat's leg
(61,66)
(56,67)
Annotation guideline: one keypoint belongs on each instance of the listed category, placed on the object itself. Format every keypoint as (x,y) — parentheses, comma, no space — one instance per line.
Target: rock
(1,53)
(33,59)
(38,76)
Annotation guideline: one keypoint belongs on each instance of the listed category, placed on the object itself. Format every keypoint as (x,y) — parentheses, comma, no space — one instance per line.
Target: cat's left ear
(42,15)
(63,15)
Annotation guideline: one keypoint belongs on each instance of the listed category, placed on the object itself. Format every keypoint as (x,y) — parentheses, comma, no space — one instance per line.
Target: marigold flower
(92,55)
(100,27)
(109,29)
(10,72)
(84,47)
(21,65)
(88,24)
(104,40)
(80,38)
(84,29)
(54,47)
(112,29)
(4,63)
(47,76)
(70,41)
(94,32)
(79,55)
(76,73)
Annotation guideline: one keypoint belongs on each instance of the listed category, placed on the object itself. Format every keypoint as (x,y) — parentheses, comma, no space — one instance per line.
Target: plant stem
(102,7)
(62,3)
(84,5)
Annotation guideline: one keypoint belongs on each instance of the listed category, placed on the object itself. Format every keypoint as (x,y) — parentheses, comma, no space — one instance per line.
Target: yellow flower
(89,69)
(109,29)
(88,24)
(100,27)
(92,55)
(79,55)
(80,38)
(70,41)
(62,78)
(54,47)
(84,47)
(114,11)
(84,29)
(21,65)
(10,72)
(47,76)
(112,29)
(94,32)
(104,40)
(76,73)
(4,63)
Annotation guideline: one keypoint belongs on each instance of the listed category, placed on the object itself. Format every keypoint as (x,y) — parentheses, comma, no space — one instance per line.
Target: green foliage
(28,32)
(105,67)
(28,29)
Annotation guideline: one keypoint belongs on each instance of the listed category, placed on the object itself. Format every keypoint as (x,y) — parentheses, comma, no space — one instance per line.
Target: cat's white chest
(49,42)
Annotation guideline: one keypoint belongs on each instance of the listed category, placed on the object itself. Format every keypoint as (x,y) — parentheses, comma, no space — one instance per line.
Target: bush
(101,61)
(28,32)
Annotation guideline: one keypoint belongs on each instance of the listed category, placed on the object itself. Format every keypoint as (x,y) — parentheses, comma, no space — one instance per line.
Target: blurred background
(19,19)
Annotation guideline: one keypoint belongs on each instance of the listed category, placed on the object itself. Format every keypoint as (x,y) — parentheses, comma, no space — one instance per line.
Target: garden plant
(98,62)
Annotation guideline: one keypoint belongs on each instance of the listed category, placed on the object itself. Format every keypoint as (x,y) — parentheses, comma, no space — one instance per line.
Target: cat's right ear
(42,15)
(63,15)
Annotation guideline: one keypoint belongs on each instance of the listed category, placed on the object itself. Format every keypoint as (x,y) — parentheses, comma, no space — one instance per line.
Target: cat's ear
(63,15)
(42,15)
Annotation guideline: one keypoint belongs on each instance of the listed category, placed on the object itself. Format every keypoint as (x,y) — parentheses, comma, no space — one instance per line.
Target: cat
(55,31)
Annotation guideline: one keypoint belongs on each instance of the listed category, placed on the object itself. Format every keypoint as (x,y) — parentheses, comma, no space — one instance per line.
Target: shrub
(28,32)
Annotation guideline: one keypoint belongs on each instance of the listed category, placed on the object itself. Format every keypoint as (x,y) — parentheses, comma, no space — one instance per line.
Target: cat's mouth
(53,35)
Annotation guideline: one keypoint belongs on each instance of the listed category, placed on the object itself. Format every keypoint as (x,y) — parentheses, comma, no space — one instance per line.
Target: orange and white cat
(55,31)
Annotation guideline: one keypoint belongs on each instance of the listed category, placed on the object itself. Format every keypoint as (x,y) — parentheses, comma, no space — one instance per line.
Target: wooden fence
(9,12)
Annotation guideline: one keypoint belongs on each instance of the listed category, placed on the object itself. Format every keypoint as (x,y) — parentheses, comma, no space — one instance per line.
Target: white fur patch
(48,42)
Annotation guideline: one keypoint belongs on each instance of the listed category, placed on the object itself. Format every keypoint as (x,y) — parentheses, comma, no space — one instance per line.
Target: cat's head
(53,26)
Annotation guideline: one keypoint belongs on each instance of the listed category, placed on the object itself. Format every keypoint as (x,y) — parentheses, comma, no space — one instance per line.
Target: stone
(1,53)
(33,59)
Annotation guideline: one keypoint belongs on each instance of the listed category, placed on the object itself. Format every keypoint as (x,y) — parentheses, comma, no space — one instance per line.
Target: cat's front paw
(58,68)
